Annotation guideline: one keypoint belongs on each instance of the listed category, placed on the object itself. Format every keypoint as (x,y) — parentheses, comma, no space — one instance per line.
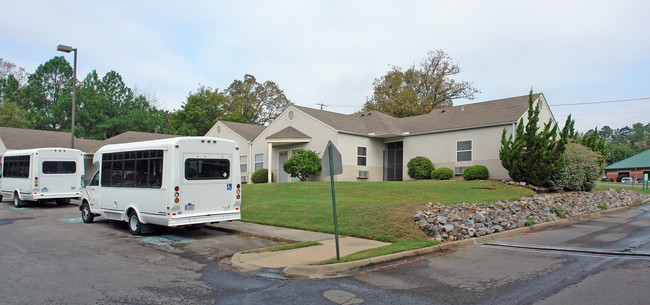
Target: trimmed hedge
(260,176)
(476,172)
(442,173)
(420,168)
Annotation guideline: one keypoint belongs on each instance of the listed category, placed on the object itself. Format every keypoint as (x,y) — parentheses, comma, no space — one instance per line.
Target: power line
(604,102)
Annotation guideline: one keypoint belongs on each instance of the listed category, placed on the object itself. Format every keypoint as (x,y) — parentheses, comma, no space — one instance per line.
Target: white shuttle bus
(42,174)
(170,182)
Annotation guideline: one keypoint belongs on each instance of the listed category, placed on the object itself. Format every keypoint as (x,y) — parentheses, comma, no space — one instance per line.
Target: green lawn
(376,210)
(623,186)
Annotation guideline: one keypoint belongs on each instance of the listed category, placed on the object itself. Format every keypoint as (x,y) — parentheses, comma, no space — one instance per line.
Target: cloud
(331,51)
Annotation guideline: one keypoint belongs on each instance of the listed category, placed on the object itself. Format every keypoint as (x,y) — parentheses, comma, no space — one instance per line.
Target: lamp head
(64,48)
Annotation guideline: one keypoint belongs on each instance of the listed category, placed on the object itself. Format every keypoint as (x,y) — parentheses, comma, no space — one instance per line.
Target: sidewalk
(306,256)
(301,262)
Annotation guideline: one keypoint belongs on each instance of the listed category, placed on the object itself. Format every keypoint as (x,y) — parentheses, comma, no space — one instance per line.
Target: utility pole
(321,105)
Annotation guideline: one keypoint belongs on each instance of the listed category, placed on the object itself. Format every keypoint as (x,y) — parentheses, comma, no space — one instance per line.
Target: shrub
(581,170)
(530,221)
(420,168)
(442,173)
(260,176)
(303,164)
(475,172)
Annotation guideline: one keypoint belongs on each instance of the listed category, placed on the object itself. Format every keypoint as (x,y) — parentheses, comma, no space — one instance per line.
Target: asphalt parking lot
(49,256)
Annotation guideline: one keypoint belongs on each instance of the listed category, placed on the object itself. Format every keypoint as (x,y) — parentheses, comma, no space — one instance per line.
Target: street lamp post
(68,49)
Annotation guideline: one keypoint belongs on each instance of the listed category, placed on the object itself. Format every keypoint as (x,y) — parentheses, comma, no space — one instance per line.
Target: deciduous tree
(419,90)
(303,164)
(199,113)
(254,102)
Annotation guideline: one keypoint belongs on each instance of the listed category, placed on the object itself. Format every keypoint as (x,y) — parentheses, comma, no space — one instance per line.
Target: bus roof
(18,152)
(161,144)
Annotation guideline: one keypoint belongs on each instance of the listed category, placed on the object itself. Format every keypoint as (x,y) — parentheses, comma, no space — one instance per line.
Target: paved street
(48,256)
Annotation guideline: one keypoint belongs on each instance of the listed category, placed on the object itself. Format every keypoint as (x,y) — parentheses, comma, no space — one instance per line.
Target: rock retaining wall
(467,220)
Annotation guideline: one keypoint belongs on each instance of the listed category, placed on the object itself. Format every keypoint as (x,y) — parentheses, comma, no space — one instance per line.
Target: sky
(330,52)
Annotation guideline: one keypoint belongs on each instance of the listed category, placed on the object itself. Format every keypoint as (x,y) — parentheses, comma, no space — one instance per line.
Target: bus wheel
(135,227)
(17,202)
(86,215)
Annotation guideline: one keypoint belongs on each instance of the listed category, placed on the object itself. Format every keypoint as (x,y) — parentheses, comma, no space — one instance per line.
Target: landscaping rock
(467,220)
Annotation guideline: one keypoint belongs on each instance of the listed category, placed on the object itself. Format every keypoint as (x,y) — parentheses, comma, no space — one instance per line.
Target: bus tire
(17,202)
(86,215)
(135,226)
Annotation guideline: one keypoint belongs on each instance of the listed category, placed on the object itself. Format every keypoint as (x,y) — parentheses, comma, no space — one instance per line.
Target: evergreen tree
(534,156)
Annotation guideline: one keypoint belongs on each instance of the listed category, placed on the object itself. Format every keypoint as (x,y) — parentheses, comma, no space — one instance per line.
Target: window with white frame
(295,151)
(464,151)
(259,161)
(243,163)
(362,153)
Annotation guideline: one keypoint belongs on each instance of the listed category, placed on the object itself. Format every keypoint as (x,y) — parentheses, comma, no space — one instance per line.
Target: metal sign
(332,163)
(337,164)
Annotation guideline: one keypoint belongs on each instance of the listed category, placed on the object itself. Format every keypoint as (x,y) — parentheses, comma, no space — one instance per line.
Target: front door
(282,175)
(393,161)
(92,192)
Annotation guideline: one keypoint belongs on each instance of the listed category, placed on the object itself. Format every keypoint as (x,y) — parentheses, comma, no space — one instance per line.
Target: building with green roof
(635,167)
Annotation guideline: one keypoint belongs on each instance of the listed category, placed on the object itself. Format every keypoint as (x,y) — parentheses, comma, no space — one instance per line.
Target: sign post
(332,165)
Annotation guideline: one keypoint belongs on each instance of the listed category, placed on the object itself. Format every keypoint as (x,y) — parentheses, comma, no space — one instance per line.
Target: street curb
(331,270)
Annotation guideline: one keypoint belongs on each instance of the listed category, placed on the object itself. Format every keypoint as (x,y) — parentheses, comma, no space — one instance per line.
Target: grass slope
(376,210)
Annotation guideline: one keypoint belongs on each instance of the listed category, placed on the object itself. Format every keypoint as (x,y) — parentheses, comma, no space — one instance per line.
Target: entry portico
(287,139)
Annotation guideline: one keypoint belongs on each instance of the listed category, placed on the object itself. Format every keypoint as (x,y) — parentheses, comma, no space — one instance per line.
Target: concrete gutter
(335,270)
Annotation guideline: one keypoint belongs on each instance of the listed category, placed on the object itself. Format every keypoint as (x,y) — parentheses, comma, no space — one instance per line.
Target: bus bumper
(54,196)
(199,219)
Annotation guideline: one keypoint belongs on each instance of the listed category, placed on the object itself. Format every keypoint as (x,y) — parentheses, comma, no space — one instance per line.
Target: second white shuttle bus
(42,174)
(169,182)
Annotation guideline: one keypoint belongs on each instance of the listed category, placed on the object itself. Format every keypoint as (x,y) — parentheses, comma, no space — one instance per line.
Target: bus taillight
(35,181)
(238,191)
(177,194)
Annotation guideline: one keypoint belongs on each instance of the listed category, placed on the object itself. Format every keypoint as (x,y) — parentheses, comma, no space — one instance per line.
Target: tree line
(106,106)
(622,143)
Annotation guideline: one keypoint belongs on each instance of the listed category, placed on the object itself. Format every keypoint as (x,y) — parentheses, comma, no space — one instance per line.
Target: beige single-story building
(375,146)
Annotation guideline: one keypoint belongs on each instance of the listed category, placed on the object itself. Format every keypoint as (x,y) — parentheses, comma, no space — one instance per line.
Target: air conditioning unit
(243,179)
(362,175)
(459,170)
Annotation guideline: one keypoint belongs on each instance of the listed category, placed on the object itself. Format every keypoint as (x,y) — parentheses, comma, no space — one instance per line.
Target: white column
(251,161)
(270,161)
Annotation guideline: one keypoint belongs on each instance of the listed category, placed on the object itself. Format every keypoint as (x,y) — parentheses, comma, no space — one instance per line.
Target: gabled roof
(495,112)
(19,138)
(131,136)
(374,123)
(288,132)
(247,131)
(361,123)
(640,160)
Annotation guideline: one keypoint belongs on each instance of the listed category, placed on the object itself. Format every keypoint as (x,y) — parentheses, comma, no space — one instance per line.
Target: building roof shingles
(496,112)
(247,131)
(288,132)
(19,138)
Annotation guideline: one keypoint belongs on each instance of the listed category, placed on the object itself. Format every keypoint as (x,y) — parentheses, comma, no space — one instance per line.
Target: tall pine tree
(533,156)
